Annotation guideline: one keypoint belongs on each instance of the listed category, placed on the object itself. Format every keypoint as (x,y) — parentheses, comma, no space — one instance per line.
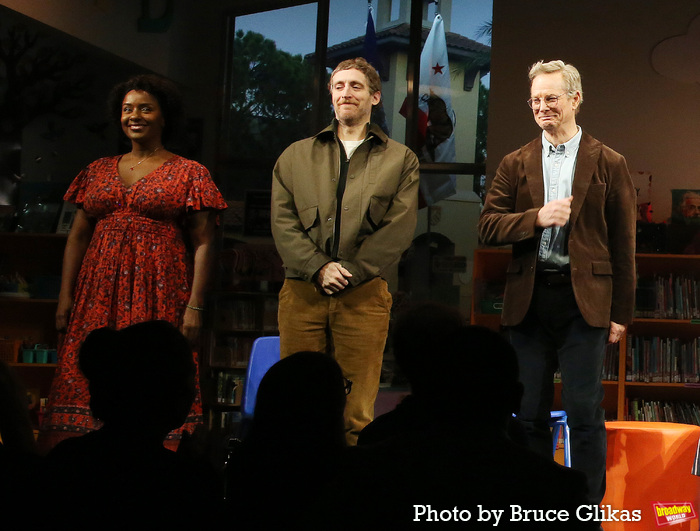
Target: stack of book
(662,360)
(661,411)
(668,297)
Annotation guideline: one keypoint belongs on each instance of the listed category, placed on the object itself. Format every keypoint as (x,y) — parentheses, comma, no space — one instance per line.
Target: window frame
(320,96)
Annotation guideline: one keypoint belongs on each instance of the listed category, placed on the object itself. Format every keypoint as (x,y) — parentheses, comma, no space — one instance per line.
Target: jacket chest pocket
(375,212)
(309,218)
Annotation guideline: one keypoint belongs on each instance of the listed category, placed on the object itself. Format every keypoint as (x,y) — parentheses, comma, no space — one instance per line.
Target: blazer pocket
(601,268)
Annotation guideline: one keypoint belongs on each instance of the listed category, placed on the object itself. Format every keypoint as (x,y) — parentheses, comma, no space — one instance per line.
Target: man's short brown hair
(374,82)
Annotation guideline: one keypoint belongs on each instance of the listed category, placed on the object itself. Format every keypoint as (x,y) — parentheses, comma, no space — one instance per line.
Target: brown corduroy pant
(351,326)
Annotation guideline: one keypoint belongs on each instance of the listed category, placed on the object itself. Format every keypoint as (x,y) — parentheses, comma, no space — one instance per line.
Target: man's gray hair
(572,78)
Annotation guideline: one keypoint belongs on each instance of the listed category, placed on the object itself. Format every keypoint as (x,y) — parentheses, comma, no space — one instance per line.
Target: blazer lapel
(532,164)
(586,162)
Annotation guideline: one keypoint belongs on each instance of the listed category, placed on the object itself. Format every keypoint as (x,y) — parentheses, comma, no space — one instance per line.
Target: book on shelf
(224,420)
(236,314)
(229,388)
(670,296)
(639,409)
(269,316)
(662,360)
(611,362)
(235,353)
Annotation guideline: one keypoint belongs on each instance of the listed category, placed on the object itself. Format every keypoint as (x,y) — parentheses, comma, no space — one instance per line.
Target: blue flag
(370,45)
(372,56)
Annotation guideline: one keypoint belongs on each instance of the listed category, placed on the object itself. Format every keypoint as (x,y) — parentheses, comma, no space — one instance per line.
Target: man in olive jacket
(567,204)
(344,207)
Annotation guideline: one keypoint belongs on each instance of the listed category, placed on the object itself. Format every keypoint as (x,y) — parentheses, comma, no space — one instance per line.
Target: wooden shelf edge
(52,235)
(652,320)
(32,365)
(27,300)
(673,385)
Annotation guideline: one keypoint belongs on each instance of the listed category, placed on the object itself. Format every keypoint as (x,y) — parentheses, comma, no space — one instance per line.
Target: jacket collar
(331,133)
(586,161)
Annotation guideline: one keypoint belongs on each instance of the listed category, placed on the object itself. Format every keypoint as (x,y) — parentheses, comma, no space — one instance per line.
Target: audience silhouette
(414,335)
(19,458)
(293,444)
(141,383)
(443,456)
(420,329)
(452,453)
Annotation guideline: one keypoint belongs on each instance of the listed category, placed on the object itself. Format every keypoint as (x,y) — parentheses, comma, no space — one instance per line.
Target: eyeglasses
(549,101)
(348,386)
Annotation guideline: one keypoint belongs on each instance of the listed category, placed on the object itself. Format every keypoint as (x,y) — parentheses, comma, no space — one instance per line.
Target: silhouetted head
(475,370)
(300,402)
(141,376)
(417,333)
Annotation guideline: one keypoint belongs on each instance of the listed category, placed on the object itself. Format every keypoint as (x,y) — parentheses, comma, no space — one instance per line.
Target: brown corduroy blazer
(601,237)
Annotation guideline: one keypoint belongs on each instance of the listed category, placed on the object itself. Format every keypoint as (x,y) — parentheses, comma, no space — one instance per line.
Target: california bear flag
(436,119)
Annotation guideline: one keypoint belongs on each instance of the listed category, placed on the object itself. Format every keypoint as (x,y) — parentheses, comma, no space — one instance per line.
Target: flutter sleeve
(203,193)
(76,191)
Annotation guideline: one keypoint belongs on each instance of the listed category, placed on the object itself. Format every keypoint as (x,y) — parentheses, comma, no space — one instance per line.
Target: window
(268,93)
(277,72)
(276,90)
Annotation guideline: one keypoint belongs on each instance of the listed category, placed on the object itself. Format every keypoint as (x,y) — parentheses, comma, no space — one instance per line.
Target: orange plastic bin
(649,470)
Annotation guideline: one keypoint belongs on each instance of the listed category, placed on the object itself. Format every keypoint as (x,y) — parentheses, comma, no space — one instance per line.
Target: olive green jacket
(379,206)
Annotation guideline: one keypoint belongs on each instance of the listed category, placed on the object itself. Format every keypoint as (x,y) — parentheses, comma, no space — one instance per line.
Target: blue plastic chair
(559,427)
(263,355)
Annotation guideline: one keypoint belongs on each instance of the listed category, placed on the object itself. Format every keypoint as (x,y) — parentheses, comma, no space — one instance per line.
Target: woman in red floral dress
(127,258)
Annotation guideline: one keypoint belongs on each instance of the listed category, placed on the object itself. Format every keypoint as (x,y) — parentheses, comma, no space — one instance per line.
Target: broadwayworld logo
(673,513)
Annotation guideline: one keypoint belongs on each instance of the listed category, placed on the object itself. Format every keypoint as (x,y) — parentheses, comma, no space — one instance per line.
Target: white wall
(648,116)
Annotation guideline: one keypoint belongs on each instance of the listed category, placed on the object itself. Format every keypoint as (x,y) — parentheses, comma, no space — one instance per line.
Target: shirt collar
(374,132)
(570,148)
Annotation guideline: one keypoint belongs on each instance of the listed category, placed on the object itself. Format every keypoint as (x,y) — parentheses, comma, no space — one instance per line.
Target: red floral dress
(136,268)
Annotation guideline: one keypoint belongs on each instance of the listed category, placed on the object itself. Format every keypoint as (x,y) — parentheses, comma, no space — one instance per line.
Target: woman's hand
(201,227)
(192,325)
(63,311)
(76,247)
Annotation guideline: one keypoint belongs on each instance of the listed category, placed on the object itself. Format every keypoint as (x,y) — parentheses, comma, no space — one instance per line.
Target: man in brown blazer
(567,205)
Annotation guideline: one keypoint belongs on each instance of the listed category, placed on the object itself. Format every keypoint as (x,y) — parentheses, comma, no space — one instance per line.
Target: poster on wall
(683,234)
(686,207)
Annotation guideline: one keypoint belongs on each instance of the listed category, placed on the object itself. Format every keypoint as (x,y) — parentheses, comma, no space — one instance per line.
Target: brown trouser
(352,326)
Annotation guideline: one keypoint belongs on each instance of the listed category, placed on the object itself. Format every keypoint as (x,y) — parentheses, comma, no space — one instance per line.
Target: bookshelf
(28,315)
(662,369)
(243,307)
(658,361)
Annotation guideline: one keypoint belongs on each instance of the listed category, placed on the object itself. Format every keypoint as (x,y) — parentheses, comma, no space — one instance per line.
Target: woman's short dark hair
(163,90)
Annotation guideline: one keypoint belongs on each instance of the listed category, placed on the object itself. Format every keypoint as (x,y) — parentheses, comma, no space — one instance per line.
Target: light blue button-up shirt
(558,167)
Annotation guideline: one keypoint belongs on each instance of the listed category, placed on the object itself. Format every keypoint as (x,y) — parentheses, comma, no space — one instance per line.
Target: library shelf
(665,269)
